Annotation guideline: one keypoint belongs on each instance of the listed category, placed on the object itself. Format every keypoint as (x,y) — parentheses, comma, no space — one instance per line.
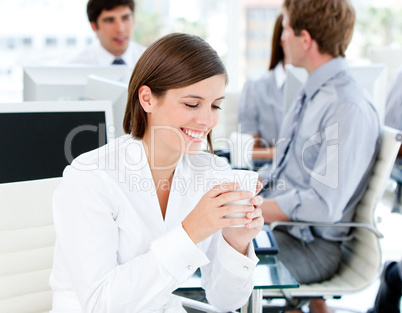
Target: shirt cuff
(236,263)
(178,254)
(288,202)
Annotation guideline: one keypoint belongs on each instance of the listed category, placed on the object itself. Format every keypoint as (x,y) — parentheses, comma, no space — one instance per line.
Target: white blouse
(115,252)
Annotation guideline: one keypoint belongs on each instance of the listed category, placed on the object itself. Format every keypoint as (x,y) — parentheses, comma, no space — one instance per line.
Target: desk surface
(270,273)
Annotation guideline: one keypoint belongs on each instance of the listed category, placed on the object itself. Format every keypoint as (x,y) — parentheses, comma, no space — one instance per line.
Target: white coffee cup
(241,150)
(247,181)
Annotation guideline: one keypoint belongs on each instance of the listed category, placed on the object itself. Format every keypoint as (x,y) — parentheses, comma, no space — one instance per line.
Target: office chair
(396,175)
(26,246)
(361,261)
(27,238)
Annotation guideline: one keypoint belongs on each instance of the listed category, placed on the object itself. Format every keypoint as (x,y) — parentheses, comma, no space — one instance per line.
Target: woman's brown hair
(277,54)
(174,61)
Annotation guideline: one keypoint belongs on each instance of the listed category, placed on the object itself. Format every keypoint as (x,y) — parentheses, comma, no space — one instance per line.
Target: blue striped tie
(283,149)
(296,120)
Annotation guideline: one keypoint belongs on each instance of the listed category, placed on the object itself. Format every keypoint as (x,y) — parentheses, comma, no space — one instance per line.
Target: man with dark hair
(328,143)
(113,22)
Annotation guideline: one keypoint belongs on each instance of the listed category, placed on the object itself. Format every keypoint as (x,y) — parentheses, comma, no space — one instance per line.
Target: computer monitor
(372,77)
(66,83)
(100,88)
(39,139)
(388,55)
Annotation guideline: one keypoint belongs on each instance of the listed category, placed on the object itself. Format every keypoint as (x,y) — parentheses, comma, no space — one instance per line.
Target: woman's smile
(194,134)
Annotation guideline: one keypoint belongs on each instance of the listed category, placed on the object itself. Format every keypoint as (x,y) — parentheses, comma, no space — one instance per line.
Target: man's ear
(94,27)
(146,99)
(306,39)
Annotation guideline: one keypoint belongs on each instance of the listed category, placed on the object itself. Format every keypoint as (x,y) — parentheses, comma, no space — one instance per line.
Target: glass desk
(270,273)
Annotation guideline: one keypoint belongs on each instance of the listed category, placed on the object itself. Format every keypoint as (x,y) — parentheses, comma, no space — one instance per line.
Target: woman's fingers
(257,201)
(256,223)
(233,196)
(253,217)
(235,208)
(217,190)
(255,213)
(211,213)
(258,187)
(235,221)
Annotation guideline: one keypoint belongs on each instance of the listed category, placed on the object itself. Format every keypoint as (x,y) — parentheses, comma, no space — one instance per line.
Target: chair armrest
(371,228)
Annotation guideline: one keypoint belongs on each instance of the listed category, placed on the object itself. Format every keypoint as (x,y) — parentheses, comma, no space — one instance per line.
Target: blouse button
(245,268)
(190,267)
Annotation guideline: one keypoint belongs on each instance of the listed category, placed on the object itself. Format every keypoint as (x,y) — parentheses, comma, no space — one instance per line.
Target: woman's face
(180,121)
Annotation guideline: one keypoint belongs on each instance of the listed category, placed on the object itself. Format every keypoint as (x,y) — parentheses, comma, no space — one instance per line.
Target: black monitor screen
(41,144)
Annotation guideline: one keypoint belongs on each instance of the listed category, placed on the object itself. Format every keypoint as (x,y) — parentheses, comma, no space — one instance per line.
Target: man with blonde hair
(328,143)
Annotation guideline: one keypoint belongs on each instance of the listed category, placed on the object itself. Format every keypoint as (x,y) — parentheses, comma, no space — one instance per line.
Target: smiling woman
(173,73)
(123,246)
(183,116)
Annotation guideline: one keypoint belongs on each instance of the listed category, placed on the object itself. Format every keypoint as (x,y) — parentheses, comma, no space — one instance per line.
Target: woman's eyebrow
(194,97)
(201,98)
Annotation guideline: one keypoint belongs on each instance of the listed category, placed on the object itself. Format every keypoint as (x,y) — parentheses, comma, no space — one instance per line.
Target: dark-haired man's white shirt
(326,168)
(97,55)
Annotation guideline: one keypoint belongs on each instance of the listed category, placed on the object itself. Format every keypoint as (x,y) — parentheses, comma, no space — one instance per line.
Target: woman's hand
(239,237)
(209,215)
